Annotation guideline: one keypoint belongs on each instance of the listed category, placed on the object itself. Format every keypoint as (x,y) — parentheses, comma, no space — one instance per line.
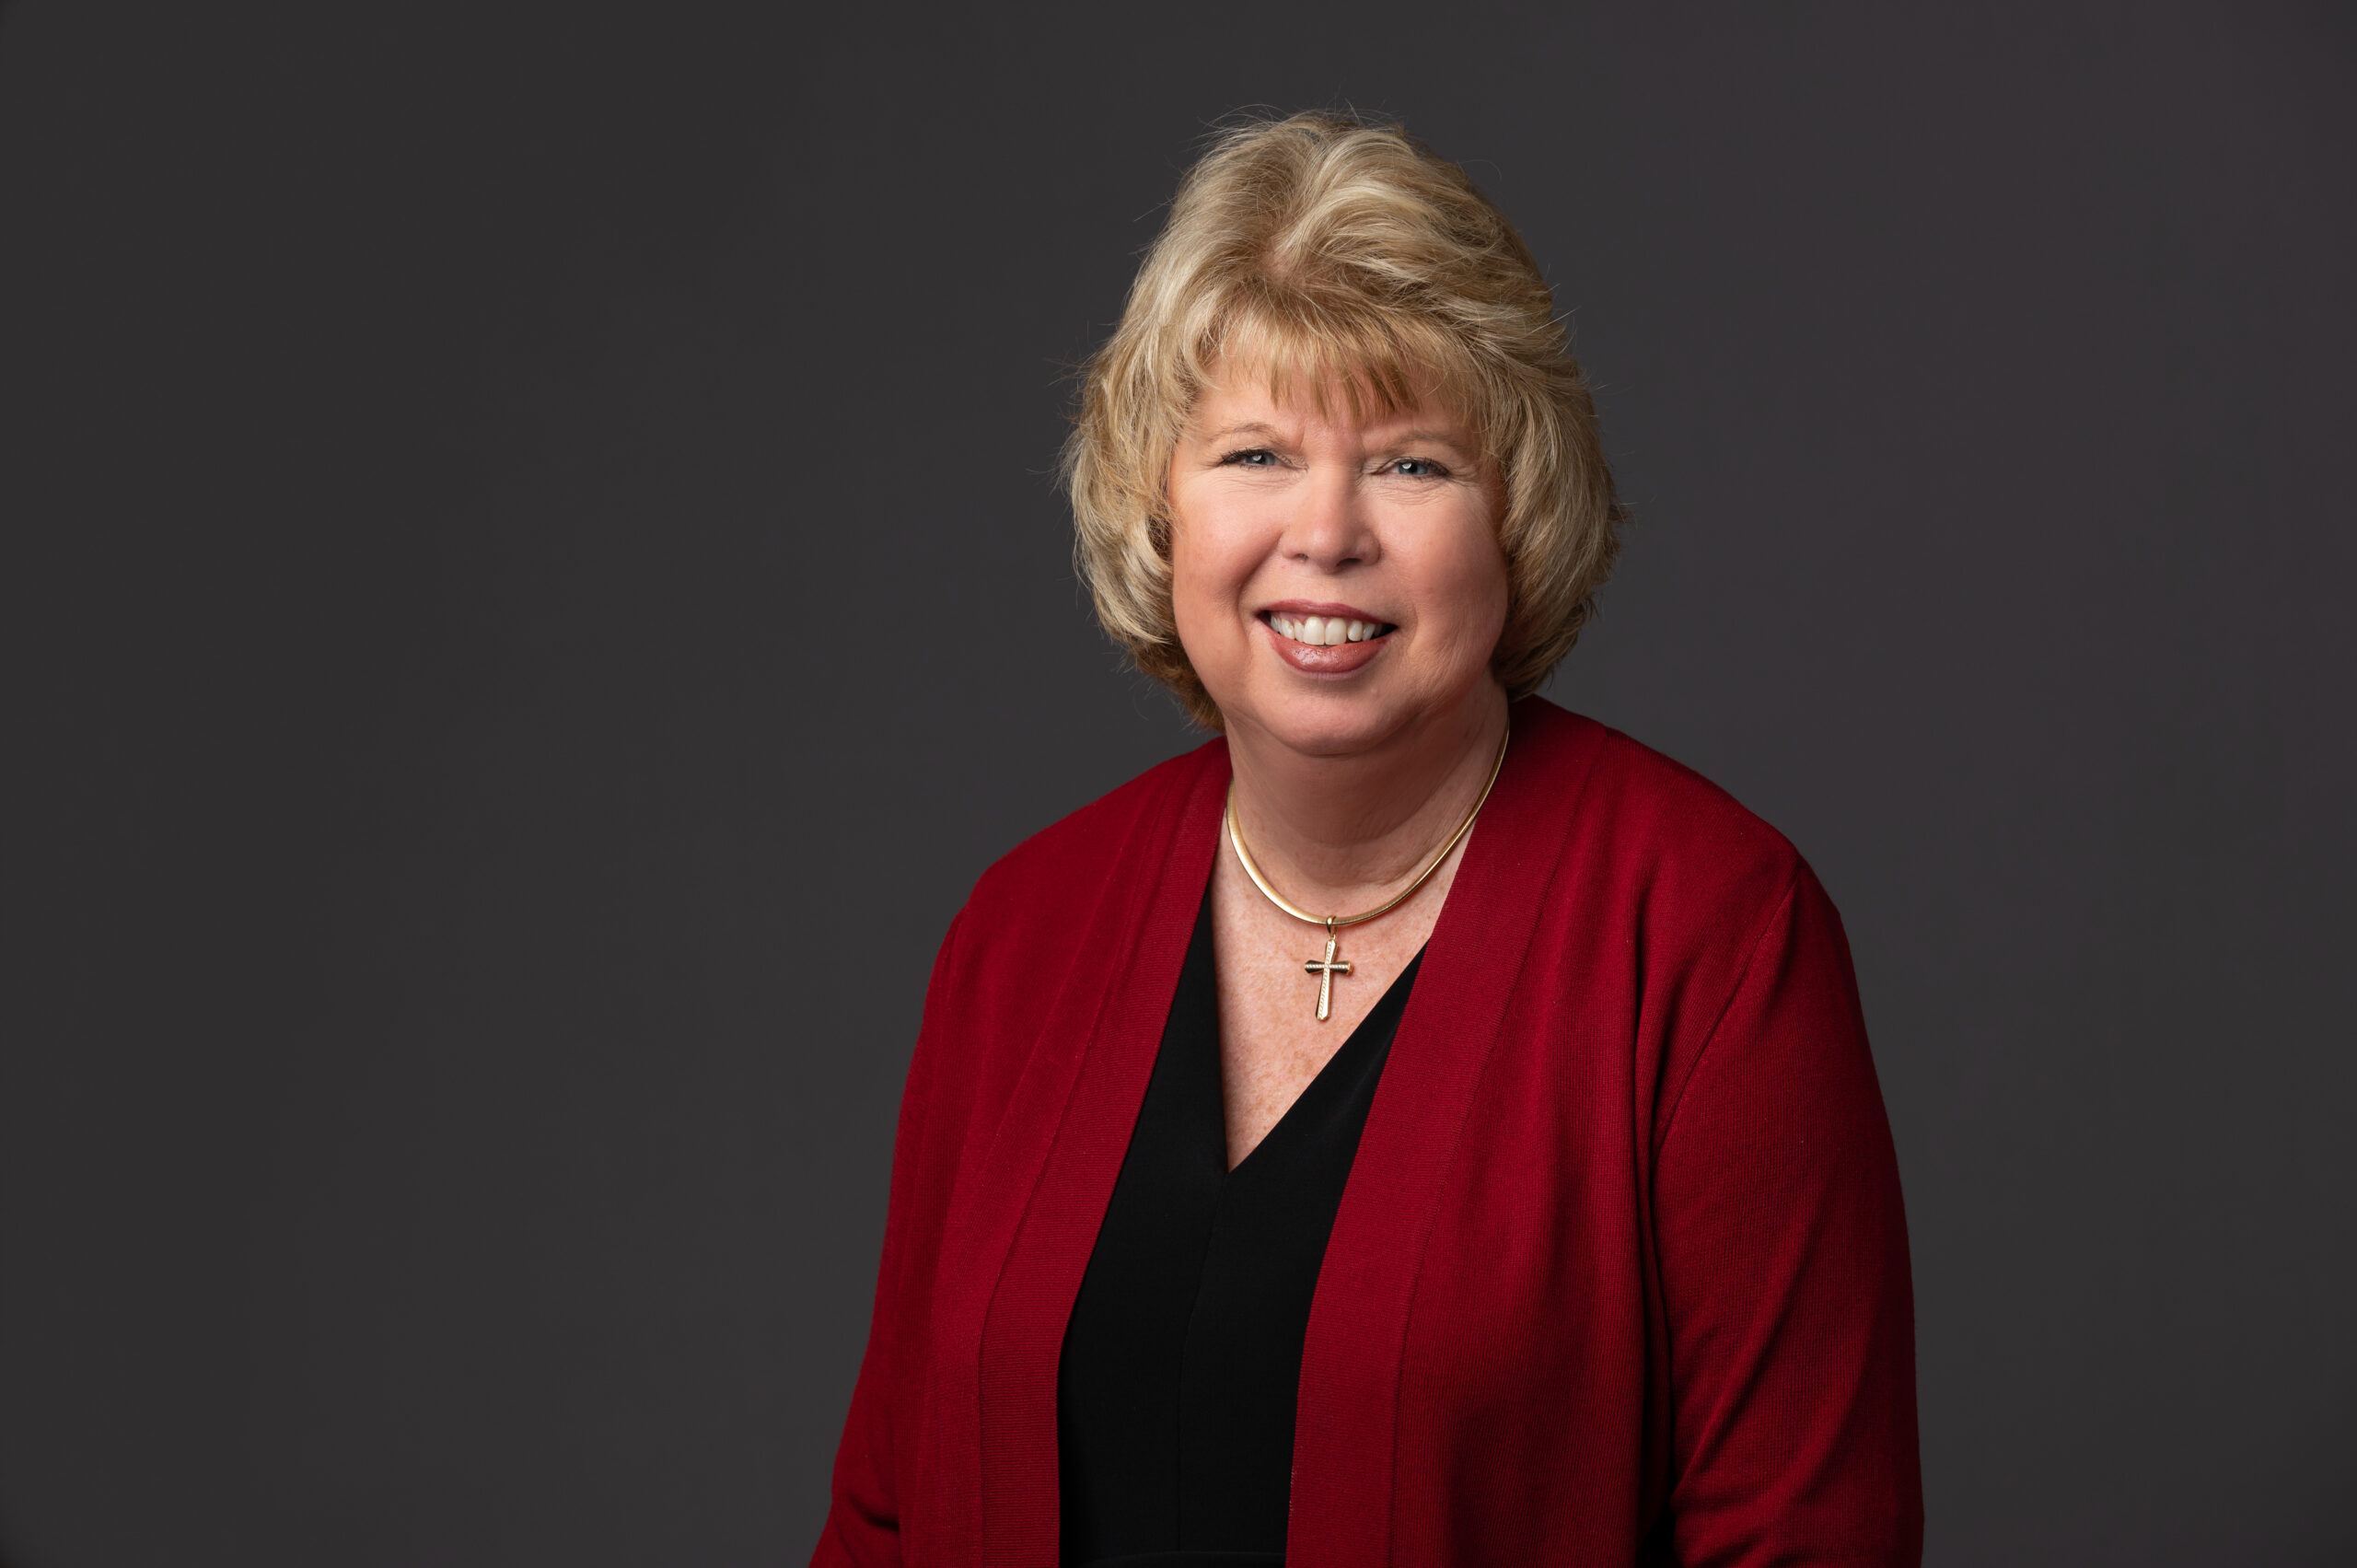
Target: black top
(1175,1396)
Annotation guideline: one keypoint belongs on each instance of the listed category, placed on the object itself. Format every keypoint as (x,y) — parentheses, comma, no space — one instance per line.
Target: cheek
(1492,588)
(1212,558)
(1467,584)
(1193,573)
(1204,583)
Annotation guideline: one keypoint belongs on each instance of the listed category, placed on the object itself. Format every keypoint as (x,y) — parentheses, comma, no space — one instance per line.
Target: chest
(1274,969)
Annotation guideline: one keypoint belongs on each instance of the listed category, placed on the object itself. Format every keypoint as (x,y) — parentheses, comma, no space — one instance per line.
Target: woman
(1420,1126)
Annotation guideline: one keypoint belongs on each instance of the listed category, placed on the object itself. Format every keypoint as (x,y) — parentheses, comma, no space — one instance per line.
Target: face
(1338,583)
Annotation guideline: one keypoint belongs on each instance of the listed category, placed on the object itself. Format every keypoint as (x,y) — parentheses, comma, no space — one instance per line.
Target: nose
(1328,527)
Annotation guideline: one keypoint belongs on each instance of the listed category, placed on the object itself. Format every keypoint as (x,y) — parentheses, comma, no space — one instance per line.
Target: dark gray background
(532,587)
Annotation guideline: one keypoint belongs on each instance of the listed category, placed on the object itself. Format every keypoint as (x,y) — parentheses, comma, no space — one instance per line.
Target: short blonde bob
(1338,253)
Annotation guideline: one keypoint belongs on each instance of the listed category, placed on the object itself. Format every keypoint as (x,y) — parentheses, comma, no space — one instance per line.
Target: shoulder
(1038,918)
(1685,822)
(1674,840)
(1064,864)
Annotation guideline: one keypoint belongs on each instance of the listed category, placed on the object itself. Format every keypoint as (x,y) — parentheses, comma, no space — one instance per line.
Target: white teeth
(1324,630)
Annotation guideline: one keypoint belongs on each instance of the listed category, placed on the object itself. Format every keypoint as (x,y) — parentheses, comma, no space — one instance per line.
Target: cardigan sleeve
(863,1527)
(1782,1247)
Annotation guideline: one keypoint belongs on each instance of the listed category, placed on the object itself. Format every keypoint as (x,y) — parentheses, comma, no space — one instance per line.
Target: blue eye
(1419,467)
(1255,457)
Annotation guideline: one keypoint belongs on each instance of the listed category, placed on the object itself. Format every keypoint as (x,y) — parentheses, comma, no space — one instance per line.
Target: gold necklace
(1327,968)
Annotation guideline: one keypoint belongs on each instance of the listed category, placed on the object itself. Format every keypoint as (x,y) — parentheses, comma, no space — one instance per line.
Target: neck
(1342,832)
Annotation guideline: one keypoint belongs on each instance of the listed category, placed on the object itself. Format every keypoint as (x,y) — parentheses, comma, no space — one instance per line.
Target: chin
(1336,726)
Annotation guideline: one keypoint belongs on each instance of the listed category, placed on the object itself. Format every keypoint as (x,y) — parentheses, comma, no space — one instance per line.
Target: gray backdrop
(532,587)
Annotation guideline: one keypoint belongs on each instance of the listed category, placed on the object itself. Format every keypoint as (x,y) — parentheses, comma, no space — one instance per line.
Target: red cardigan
(1621,1274)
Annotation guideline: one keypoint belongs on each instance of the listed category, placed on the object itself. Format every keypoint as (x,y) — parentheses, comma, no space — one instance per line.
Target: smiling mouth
(1325,630)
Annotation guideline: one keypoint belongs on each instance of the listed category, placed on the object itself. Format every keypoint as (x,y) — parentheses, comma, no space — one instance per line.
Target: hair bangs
(1336,355)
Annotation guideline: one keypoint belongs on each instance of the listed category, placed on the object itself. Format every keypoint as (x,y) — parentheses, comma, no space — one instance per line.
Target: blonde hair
(1339,253)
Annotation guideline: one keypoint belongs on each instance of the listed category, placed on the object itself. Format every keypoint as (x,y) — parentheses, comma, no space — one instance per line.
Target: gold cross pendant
(1326,969)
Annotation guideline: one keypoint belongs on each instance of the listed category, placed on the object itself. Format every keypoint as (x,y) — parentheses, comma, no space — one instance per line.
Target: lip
(1338,658)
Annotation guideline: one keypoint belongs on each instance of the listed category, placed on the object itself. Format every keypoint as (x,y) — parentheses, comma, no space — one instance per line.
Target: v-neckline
(1381,1020)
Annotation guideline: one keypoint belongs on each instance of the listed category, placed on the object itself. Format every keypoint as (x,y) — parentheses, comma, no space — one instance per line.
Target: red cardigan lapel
(1349,1409)
(1022,1240)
